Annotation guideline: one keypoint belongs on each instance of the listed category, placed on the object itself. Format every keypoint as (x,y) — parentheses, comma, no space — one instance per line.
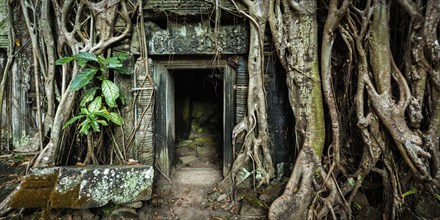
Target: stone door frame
(164,110)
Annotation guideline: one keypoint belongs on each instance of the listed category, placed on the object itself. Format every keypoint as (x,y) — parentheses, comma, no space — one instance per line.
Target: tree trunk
(90,155)
(256,143)
(300,57)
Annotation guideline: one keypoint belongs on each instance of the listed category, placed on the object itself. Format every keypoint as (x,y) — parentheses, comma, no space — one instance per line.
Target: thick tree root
(251,150)
(299,199)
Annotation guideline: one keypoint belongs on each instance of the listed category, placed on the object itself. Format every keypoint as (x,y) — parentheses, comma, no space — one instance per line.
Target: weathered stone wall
(4,27)
(23,96)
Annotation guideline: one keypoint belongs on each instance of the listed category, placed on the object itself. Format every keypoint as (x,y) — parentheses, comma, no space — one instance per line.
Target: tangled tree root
(302,198)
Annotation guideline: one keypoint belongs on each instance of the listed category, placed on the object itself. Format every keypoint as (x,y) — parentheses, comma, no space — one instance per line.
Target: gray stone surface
(222,197)
(186,151)
(197,176)
(123,213)
(207,150)
(187,160)
(4,26)
(84,187)
(196,38)
(184,142)
(134,205)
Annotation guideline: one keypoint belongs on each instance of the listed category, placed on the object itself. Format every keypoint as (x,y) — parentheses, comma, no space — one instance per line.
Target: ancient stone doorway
(198,117)
(173,120)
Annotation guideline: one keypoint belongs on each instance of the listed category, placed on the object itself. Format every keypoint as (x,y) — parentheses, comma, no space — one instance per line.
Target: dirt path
(192,194)
(193,191)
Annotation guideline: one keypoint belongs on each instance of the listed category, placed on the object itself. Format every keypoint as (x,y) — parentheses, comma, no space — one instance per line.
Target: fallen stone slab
(84,187)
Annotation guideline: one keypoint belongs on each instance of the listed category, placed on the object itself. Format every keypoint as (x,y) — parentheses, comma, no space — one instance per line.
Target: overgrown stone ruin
(292,109)
(181,106)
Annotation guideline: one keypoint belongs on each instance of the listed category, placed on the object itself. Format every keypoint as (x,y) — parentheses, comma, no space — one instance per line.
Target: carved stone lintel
(196,38)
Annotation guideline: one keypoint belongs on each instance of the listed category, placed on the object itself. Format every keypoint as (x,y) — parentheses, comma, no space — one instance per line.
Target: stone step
(200,176)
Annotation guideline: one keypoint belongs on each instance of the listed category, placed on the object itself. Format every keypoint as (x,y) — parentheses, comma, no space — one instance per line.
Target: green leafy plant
(100,94)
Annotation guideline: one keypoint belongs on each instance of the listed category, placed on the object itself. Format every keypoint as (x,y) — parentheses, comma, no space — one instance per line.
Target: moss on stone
(34,192)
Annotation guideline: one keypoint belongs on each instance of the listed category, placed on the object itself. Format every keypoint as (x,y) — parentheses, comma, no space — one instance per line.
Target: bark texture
(254,125)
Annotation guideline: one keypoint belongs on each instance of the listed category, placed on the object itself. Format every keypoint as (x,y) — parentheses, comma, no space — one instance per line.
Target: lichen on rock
(86,187)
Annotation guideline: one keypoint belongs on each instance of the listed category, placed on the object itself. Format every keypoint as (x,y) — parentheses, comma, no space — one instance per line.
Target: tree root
(251,149)
(302,197)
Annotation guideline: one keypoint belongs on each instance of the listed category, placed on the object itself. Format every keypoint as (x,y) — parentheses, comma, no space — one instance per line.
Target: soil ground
(196,189)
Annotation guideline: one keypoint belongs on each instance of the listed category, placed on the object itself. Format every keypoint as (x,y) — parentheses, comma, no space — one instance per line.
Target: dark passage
(198,116)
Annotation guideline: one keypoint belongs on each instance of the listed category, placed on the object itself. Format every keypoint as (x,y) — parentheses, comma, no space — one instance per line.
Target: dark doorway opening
(198,115)
(166,75)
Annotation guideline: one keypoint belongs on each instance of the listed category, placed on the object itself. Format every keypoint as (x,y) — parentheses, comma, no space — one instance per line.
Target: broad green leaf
(116,118)
(122,56)
(121,70)
(114,65)
(84,111)
(103,122)
(86,56)
(110,92)
(72,120)
(95,126)
(112,61)
(83,78)
(103,114)
(96,104)
(88,96)
(81,63)
(93,116)
(64,60)
(85,126)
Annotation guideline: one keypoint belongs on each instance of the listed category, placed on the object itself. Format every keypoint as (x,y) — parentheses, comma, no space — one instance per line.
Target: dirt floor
(196,189)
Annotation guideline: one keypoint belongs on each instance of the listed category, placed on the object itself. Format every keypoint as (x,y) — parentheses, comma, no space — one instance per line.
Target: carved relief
(197,38)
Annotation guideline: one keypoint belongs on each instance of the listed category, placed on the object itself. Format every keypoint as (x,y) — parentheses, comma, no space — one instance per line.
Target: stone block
(134,205)
(183,151)
(84,187)
(123,213)
(197,176)
(207,151)
(187,160)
